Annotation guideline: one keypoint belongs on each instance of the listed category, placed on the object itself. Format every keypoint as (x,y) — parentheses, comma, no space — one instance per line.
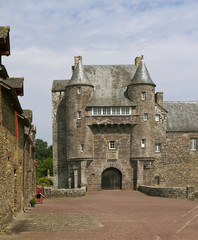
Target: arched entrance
(111,179)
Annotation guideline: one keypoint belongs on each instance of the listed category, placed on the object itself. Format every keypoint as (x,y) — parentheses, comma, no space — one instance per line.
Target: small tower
(79,93)
(142,91)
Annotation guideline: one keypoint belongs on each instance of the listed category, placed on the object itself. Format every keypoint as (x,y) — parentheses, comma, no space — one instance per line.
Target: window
(143,143)
(157,117)
(79,114)
(143,96)
(157,180)
(193,144)
(157,147)
(82,147)
(145,116)
(106,111)
(111,111)
(79,90)
(112,145)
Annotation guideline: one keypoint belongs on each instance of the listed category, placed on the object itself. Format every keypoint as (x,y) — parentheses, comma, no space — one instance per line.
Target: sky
(45,35)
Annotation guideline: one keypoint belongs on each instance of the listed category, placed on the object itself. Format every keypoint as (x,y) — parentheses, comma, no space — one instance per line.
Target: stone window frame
(143,96)
(143,143)
(157,147)
(112,144)
(193,144)
(145,117)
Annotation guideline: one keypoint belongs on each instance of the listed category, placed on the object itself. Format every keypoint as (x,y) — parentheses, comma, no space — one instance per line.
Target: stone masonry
(112,131)
(17,144)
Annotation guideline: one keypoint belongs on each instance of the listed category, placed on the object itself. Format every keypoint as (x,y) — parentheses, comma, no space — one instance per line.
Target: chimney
(76,60)
(138,60)
(159,98)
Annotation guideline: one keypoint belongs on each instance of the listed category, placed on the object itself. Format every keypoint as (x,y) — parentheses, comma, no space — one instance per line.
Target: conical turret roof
(79,76)
(142,75)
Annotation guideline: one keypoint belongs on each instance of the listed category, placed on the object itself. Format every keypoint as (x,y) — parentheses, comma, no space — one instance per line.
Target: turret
(141,90)
(79,93)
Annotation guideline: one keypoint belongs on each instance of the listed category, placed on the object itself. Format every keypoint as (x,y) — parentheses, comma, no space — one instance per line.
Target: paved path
(108,215)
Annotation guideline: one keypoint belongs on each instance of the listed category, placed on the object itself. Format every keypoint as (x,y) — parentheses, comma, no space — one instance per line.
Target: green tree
(44,158)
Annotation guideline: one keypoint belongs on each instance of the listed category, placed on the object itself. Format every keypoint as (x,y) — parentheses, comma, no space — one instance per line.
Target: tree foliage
(44,158)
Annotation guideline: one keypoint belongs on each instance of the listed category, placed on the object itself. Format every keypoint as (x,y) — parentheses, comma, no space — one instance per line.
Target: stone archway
(111,179)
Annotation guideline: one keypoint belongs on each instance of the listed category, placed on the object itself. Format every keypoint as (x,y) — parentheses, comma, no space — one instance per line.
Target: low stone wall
(6,214)
(74,192)
(169,192)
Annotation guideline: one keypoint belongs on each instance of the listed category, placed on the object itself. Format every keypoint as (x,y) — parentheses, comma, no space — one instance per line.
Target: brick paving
(107,215)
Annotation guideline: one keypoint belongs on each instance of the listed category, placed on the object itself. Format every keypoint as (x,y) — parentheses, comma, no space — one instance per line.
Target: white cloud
(46,35)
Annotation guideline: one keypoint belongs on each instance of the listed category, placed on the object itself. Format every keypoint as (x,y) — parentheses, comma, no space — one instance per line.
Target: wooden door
(111,179)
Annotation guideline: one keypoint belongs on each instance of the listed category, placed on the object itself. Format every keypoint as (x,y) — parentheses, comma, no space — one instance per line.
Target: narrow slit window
(143,143)
(157,147)
(193,144)
(143,96)
(79,90)
(145,116)
(79,114)
(82,147)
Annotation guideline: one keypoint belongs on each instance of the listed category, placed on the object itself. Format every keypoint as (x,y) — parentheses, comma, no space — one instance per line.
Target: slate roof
(182,116)
(59,85)
(110,82)
(79,76)
(142,75)
(15,83)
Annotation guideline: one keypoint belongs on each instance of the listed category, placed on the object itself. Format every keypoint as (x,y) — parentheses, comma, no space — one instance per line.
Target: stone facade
(17,149)
(112,131)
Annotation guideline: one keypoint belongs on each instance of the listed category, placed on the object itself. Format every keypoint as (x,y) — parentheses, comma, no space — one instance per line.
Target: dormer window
(143,96)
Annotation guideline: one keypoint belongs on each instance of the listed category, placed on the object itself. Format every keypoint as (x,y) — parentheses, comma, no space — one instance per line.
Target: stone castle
(112,131)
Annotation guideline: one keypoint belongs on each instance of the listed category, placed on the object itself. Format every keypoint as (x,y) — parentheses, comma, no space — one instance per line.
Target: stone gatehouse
(112,131)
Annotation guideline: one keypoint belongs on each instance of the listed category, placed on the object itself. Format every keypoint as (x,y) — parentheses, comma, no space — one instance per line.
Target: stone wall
(12,161)
(59,138)
(174,192)
(177,165)
(53,193)
(104,157)
(6,214)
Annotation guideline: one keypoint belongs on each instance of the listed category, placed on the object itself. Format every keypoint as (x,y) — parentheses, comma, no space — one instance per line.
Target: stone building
(17,143)
(112,131)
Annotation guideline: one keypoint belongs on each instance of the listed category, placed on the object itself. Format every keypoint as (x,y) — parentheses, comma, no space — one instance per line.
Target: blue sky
(46,35)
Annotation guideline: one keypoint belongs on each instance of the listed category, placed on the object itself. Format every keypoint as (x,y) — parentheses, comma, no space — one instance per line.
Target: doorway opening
(111,179)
